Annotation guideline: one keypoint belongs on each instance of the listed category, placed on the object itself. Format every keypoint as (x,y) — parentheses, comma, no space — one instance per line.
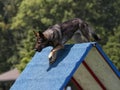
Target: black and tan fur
(58,34)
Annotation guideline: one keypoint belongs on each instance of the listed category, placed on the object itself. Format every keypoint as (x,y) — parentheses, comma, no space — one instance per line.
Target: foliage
(18,18)
(8,41)
(31,16)
(113,46)
(26,50)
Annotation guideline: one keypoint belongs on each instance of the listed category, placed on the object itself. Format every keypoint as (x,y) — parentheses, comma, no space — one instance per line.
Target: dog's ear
(41,34)
(36,34)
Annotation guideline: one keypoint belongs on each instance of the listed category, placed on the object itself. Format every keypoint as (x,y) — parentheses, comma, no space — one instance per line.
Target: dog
(58,34)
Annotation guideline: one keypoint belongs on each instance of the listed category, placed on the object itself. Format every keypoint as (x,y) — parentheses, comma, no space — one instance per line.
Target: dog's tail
(88,32)
(95,36)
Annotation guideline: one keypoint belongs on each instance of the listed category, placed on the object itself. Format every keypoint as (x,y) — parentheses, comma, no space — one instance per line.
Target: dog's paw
(50,55)
(51,61)
(52,58)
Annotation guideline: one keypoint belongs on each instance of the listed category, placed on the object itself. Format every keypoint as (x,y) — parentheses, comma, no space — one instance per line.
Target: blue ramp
(39,75)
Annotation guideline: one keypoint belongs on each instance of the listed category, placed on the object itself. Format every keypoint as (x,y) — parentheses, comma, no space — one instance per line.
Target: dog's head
(41,41)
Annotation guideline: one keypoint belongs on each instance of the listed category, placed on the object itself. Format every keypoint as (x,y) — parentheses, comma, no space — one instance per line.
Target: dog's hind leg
(53,54)
(77,37)
(85,30)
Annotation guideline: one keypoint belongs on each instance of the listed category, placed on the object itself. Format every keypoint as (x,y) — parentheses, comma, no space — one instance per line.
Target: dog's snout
(35,49)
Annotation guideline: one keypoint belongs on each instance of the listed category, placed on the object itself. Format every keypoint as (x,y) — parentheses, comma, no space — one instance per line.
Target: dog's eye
(38,42)
(41,40)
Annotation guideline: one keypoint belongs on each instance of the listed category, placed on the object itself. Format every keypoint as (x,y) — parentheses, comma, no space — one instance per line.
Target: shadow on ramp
(60,56)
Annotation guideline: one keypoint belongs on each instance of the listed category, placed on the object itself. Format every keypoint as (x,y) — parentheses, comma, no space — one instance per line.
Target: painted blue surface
(39,75)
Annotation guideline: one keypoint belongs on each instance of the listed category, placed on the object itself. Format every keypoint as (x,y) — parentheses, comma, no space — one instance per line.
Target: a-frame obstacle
(80,67)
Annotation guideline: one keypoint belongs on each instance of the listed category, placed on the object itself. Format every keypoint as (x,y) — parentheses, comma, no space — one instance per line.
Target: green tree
(4,41)
(112,47)
(8,40)
(23,16)
(37,15)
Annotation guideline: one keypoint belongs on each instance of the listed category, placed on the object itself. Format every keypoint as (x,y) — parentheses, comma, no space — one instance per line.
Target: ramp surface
(39,75)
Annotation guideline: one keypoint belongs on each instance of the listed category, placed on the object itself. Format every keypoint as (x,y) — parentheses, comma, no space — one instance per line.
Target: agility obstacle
(78,67)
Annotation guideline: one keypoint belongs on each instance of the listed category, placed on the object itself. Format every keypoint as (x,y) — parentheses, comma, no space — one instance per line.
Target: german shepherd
(58,34)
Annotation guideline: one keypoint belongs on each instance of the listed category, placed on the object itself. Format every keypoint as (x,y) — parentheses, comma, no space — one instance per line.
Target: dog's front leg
(53,54)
